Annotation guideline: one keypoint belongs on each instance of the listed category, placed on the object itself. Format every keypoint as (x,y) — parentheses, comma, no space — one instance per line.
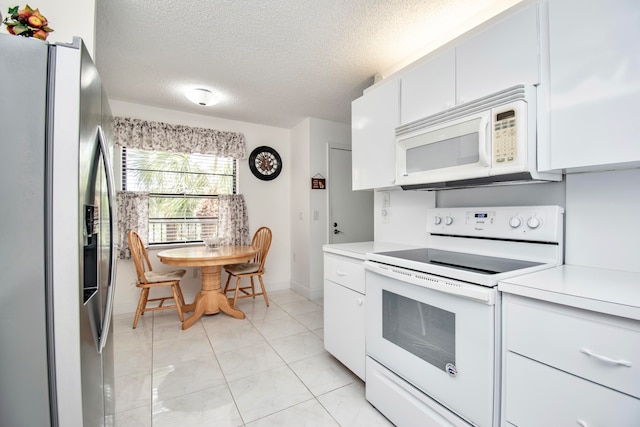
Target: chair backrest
(262,241)
(139,254)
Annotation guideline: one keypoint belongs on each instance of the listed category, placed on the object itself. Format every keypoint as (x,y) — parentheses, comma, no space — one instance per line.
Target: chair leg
(264,291)
(179,289)
(226,285)
(253,288)
(142,302)
(235,295)
(176,298)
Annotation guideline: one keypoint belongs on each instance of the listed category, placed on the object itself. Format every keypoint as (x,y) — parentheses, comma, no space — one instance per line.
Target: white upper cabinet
(374,118)
(502,55)
(429,87)
(594,84)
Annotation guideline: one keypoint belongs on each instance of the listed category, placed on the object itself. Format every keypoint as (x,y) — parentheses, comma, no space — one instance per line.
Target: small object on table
(211,242)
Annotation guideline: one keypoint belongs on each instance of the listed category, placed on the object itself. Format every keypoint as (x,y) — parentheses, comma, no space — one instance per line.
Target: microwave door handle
(484,142)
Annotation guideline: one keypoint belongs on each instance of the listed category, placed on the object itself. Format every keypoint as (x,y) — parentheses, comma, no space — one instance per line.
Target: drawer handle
(341,273)
(605,358)
(582,423)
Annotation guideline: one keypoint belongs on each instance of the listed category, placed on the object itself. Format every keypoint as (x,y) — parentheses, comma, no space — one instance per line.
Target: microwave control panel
(505,137)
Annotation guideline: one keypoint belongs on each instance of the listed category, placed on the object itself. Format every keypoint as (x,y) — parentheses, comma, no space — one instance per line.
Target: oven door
(437,334)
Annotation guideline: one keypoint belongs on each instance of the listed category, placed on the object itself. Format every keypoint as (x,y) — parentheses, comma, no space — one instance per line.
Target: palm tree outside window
(183,191)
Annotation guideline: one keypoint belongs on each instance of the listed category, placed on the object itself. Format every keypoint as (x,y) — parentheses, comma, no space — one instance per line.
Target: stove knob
(515,222)
(448,220)
(437,220)
(534,222)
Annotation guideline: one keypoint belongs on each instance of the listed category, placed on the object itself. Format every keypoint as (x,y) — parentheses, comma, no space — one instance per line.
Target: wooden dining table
(210,299)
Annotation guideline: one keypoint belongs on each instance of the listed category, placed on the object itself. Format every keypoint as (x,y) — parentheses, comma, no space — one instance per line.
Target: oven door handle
(449,286)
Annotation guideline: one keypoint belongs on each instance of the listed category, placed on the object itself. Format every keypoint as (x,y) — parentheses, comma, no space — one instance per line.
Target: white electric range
(433,313)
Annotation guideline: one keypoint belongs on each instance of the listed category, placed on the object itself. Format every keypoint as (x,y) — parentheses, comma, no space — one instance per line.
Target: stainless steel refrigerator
(57,257)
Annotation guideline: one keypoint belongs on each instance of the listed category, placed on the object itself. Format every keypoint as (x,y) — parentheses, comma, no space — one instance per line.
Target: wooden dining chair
(261,241)
(147,279)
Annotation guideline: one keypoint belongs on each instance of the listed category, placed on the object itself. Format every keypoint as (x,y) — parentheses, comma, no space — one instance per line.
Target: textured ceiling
(273,62)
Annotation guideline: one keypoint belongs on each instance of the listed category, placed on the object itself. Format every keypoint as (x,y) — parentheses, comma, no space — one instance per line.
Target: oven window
(426,331)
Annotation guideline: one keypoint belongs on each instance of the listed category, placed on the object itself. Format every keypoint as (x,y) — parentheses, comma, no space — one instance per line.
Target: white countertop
(360,249)
(606,291)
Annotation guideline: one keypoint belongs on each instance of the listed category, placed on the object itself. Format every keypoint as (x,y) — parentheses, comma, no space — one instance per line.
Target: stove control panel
(535,223)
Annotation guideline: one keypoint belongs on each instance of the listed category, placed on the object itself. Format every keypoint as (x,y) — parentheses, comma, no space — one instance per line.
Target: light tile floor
(269,369)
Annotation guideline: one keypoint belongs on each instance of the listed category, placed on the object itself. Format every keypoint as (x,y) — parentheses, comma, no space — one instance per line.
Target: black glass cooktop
(462,261)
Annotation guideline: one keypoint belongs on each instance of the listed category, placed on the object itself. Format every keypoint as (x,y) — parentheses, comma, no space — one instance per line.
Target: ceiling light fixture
(202,97)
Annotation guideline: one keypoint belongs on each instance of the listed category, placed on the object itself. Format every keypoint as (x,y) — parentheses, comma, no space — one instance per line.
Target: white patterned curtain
(233,220)
(145,135)
(133,214)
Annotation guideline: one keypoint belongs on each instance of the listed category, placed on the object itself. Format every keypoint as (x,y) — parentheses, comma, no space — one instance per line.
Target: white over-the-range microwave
(489,141)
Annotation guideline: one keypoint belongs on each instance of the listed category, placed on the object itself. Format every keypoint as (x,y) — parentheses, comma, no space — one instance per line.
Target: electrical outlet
(386,214)
(386,199)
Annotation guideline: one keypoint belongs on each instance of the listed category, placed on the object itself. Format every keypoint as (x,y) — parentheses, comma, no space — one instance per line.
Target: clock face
(265,163)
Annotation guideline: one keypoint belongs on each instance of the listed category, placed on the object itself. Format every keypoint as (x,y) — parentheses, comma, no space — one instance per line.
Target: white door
(350,212)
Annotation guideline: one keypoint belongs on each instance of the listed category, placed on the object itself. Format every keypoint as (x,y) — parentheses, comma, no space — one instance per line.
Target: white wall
(268,202)
(407,216)
(300,169)
(309,154)
(603,216)
(602,210)
(550,193)
(322,133)
(408,209)
(68,18)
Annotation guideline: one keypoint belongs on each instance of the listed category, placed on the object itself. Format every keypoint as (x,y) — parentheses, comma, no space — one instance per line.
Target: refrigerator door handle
(106,323)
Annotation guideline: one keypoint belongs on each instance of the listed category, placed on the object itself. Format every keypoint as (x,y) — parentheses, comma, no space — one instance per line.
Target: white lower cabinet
(344,311)
(539,395)
(568,366)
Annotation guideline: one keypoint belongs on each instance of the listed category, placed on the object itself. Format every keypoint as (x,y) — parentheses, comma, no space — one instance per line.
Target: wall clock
(265,163)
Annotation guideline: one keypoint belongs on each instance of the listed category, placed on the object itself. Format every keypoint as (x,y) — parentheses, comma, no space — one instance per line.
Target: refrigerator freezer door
(82,240)
(24,380)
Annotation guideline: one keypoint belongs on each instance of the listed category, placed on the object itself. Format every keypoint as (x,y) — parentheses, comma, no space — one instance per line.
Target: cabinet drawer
(346,271)
(538,395)
(600,348)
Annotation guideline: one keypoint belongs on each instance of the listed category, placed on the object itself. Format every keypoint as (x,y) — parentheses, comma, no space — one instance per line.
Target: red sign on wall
(318,182)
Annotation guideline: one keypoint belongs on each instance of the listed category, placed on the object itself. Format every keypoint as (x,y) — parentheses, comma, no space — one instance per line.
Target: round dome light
(202,97)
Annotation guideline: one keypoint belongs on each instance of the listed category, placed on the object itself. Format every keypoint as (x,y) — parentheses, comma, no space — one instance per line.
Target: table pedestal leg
(210,299)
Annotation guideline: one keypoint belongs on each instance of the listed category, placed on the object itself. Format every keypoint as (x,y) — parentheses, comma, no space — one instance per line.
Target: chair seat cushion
(242,268)
(165,276)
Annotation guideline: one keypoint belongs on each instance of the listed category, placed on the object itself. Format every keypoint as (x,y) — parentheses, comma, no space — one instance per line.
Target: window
(183,191)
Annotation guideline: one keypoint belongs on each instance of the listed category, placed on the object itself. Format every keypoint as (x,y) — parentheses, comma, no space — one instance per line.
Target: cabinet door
(344,326)
(502,55)
(374,118)
(428,88)
(594,82)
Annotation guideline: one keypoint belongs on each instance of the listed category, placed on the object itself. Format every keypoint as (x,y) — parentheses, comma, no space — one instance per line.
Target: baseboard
(300,289)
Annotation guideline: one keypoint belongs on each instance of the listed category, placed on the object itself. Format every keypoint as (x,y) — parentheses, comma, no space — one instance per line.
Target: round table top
(200,256)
